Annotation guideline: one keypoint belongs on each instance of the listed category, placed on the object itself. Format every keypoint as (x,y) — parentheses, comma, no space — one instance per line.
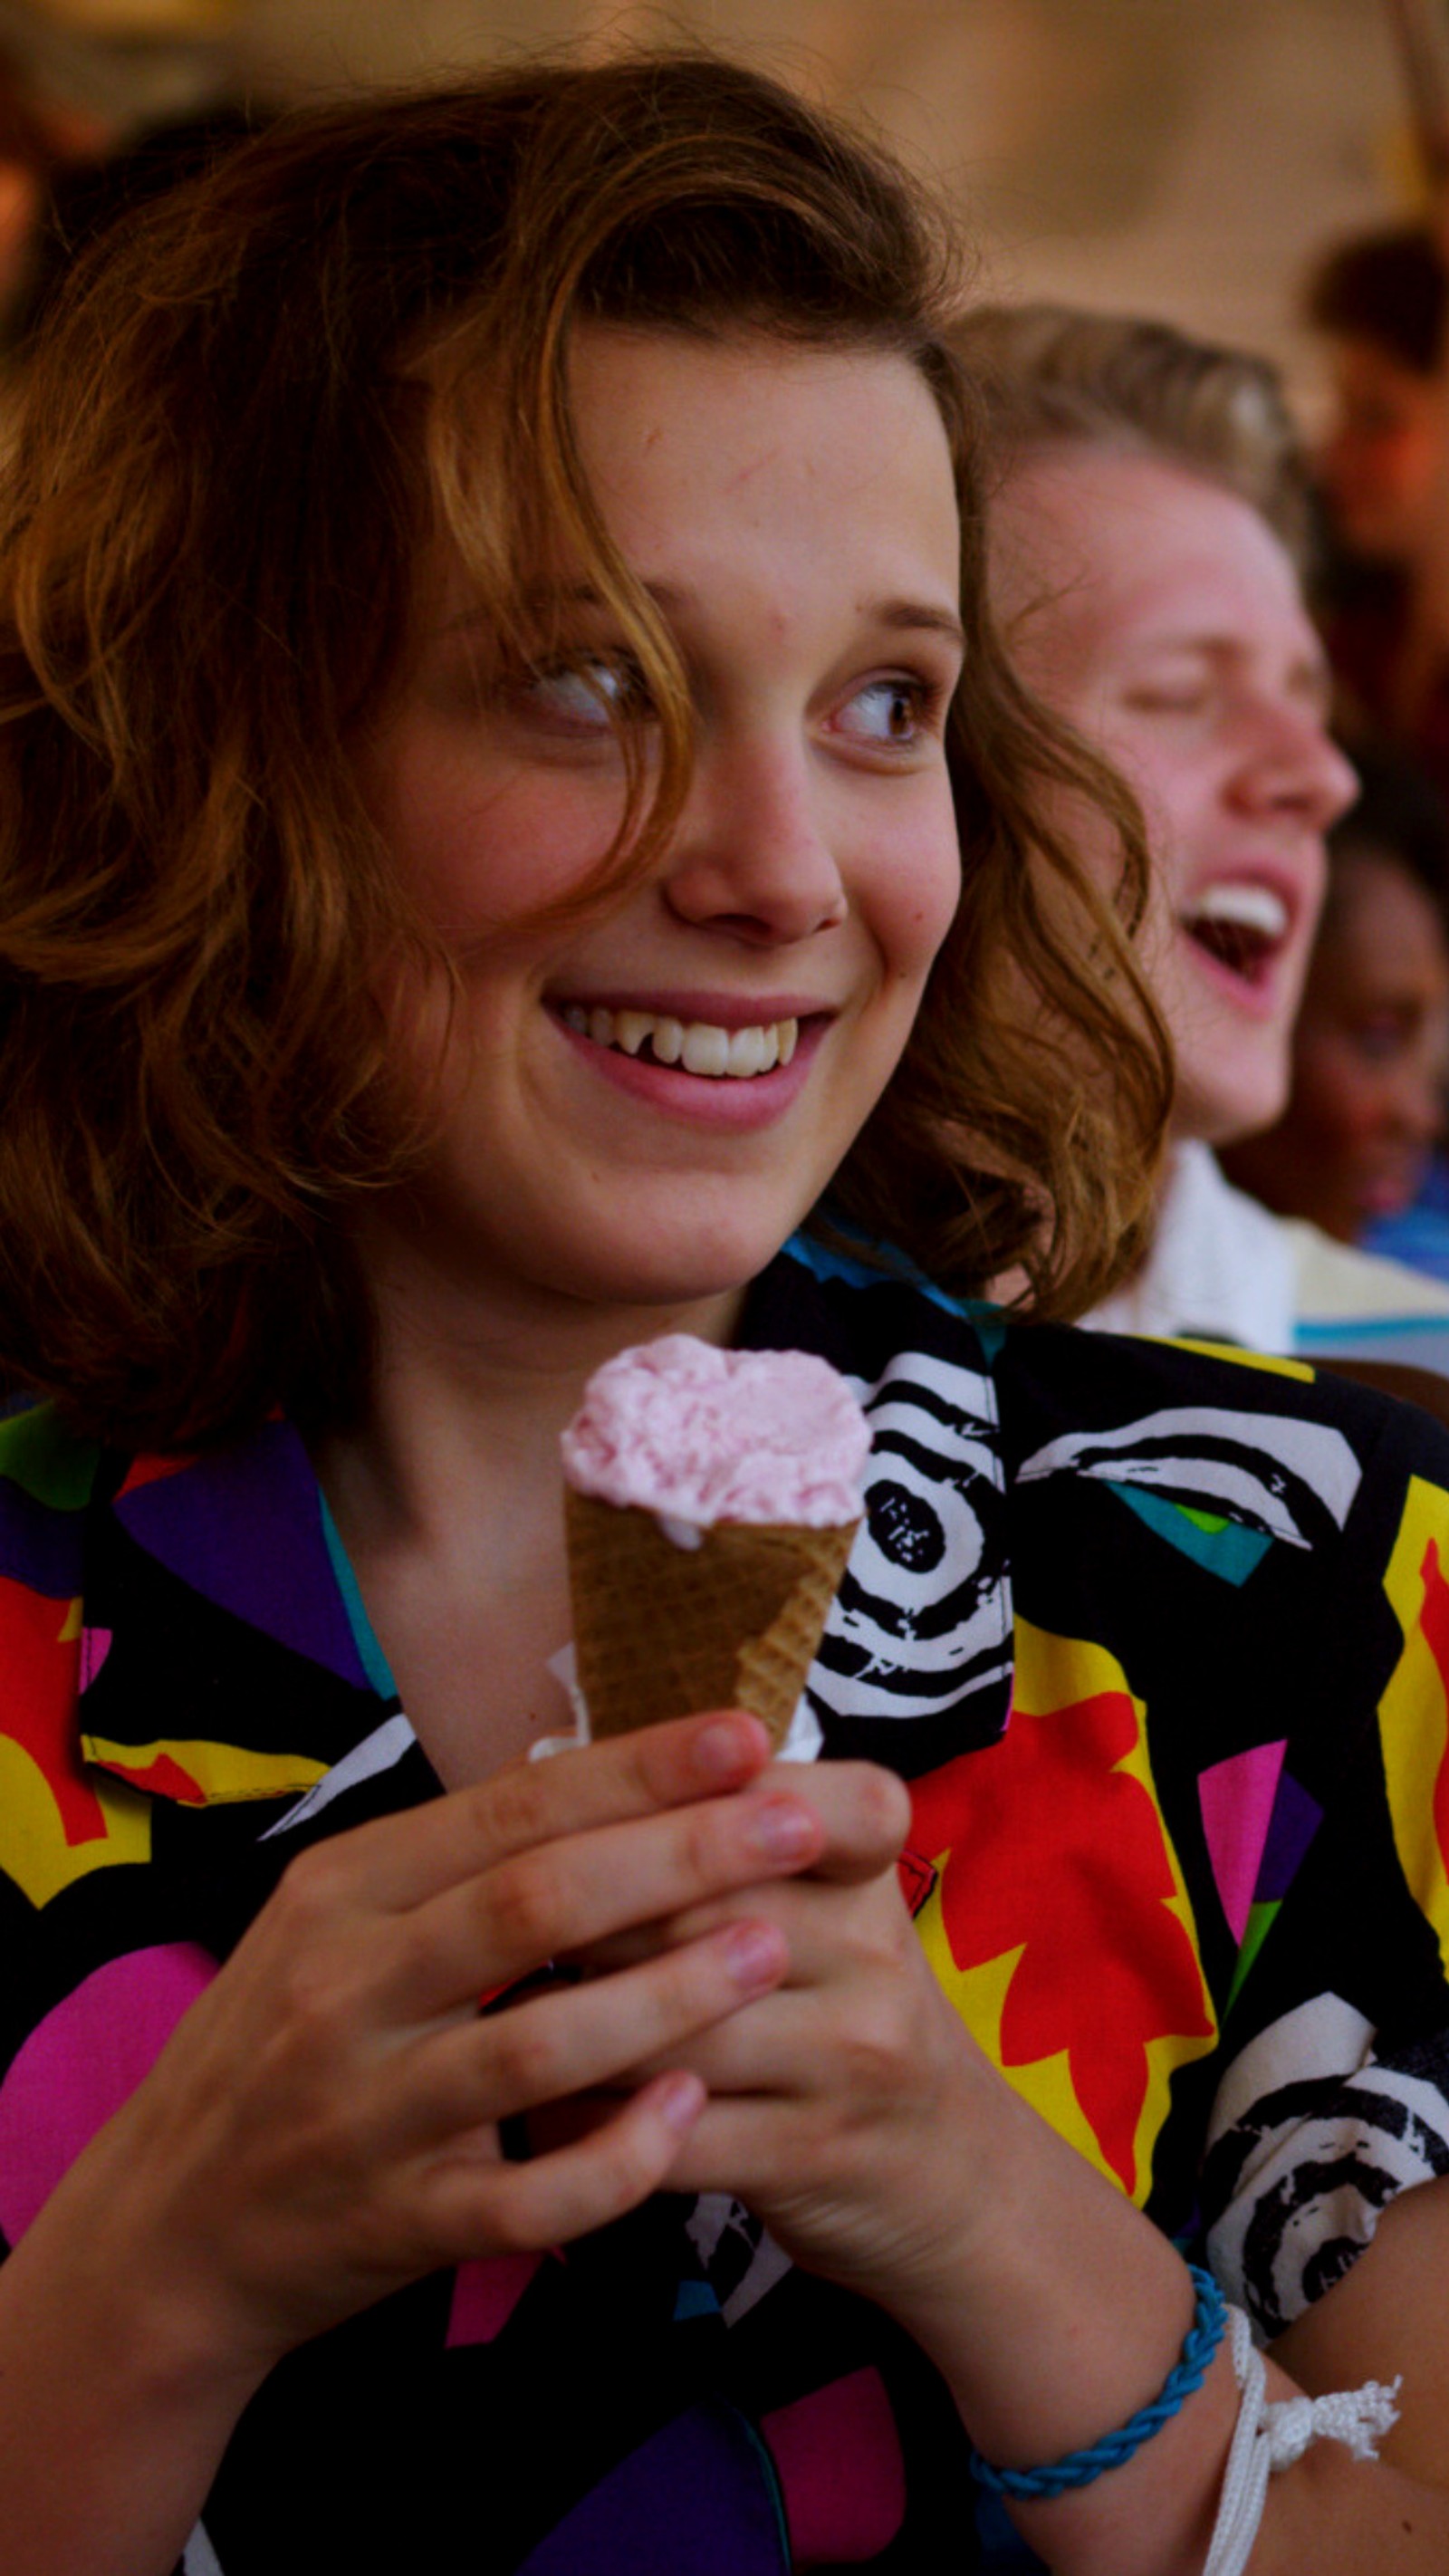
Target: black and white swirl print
(1292,1480)
(922,1621)
(1299,2173)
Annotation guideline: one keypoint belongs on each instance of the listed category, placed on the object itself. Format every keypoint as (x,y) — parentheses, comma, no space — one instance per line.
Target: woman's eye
(593,694)
(891,711)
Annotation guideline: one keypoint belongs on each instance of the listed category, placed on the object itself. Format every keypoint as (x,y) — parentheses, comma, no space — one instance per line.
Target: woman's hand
(846,2104)
(323,2125)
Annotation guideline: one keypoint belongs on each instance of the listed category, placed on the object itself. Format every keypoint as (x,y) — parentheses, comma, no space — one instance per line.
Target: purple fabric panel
(1296,1819)
(695,2500)
(243,1526)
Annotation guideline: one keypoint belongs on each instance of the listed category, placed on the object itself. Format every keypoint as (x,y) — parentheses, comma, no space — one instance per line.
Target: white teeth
(746,1053)
(706,1050)
(631,1028)
(700,1047)
(1251,907)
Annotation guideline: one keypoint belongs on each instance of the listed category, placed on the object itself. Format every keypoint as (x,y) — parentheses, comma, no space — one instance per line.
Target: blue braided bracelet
(1079,2468)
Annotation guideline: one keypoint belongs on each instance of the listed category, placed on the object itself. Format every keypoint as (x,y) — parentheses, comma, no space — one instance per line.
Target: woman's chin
(669,1265)
(676,1276)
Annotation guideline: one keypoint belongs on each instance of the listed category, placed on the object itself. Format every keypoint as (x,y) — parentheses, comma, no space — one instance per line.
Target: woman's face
(1370,1058)
(1380,462)
(1161,616)
(641,1107)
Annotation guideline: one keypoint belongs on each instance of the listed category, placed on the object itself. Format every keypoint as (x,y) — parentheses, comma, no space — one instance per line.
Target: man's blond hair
(1050,375)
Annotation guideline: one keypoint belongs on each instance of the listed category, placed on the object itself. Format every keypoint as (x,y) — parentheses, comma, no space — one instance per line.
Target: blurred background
(1181,156)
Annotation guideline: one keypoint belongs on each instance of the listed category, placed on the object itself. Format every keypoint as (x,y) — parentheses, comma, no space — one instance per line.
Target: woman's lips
(733,1052)
(733,1096)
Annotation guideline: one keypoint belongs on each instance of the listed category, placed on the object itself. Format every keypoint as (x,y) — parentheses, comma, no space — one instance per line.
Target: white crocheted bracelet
(1270,2437)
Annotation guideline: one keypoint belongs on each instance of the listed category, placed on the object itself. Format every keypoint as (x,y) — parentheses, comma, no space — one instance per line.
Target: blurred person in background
(1355,1144)
(94,120)
(1146,535)
(1379,301)
(39,140)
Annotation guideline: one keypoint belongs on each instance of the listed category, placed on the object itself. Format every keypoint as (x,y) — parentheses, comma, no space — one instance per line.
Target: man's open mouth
(1241,927)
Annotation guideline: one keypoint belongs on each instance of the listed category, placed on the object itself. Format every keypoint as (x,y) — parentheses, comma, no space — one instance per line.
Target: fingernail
(726,1748)
(680,2100)
(782,1830)
(753,1952)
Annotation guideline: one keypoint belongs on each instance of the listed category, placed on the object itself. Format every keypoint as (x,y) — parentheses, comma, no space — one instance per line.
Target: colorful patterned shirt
(1159,1638)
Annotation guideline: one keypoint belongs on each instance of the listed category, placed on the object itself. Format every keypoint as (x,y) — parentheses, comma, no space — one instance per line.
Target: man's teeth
(1246,907)
(696,1044)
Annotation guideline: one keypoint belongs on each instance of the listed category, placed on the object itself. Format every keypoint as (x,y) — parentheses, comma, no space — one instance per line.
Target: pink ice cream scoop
(701,1435)
(711,1498)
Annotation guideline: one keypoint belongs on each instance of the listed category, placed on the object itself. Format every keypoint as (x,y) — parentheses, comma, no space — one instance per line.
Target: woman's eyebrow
(900,616)
(904,616)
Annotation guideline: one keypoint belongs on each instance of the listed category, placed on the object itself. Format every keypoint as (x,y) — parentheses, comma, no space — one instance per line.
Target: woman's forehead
(683,417)
(701,454)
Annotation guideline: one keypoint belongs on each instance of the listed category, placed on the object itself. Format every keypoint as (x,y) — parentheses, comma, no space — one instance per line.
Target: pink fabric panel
(839,2458)
(95,1645)
(1237,1809)
(82,2062)
(486,2294)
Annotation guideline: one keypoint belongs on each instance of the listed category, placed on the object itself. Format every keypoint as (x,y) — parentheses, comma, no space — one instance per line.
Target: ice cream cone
(661,1630)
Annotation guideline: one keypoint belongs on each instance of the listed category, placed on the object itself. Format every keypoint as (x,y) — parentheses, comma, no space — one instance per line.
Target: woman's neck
(448,1494)
(470,1390)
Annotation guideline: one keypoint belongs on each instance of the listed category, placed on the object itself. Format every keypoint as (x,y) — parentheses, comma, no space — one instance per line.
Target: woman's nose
(753,856)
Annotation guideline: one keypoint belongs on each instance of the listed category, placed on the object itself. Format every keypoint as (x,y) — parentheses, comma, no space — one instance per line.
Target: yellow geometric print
(1240,1358)
(199,1773)
(1414,1710)
(34,1850)
(1048,1924)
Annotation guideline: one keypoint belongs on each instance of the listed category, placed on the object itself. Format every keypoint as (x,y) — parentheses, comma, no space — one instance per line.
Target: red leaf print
(37,1703)
(1434,1620)
(1052,1849)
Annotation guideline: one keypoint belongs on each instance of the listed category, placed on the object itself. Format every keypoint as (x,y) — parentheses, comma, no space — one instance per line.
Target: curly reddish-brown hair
(257,398)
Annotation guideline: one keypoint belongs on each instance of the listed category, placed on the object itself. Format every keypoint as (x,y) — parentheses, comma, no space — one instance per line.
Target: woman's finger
(401,1860)
(865,1813)
(570,2040)
(814,1905)
(563,1895)
(574,2189)
(787,2048)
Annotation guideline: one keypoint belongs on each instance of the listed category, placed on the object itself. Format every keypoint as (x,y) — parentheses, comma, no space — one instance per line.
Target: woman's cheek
(929,882)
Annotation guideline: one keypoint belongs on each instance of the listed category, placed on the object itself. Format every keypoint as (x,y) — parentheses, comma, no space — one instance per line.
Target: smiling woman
(518,838)
(410,607)
(794,514)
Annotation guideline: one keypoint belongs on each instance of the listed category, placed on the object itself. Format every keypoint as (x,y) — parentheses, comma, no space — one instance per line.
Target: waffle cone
(661,1630)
